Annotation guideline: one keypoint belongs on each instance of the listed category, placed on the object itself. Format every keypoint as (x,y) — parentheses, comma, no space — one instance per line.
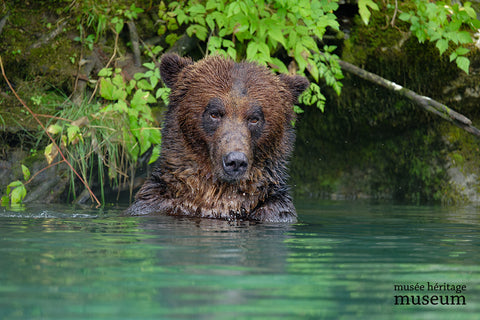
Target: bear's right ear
(171,66)
(296,84)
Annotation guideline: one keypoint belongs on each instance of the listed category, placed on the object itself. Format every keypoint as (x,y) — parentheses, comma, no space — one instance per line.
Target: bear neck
(192,189)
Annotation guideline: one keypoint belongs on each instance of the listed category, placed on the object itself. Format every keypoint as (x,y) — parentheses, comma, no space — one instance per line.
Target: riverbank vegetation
(87,71)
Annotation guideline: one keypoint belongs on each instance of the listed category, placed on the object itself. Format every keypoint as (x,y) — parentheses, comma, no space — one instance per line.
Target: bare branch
(426,103)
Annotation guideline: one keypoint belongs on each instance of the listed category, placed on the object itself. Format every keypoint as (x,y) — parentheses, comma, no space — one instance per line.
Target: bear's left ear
(296,84)
(171,66)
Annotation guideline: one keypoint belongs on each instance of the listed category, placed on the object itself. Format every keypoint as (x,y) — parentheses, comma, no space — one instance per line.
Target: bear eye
(215,115)
(253,120)
(212,116)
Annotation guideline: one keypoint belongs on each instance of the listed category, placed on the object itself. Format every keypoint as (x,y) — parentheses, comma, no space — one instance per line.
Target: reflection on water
(341,260)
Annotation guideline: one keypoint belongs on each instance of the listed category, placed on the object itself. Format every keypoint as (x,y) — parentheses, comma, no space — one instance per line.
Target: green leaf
(297,109)
(54,128)
(275,33)
(130,86)
(153,81)
(264,56)
(464,37)
(475,24)
(199,31)
(404,16)
(50,153)
(109,91)
(138,76)
(214,42)
(228,43)
(155,154)
(144,139)
(118,24)
(131,145)
(18,194)
(463,63)
(150,98)
(16,191)
(299,56)
(14,184)
(163,93)
(210,22)
(364,11)
(26,173)
(453,56)
(145,85)
(232,53)
(313,69)
(121,107)
(139,100)
(118,81)
(434,36)
(211,4)
(134,9)
(278,65)
(133,112)
(309,43)
(197,9)
(106,89)
(155,136)
(105,72)
(442,45)
(461,51)
(73,132)
(156,73)
(470,11)
(5,201)
(182,17)
(252,50)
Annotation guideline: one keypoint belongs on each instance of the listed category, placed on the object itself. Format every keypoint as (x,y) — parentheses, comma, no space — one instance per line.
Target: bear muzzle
(235,165)
(231,151)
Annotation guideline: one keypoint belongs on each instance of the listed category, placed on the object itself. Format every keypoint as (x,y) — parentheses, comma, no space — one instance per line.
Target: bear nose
(235,164)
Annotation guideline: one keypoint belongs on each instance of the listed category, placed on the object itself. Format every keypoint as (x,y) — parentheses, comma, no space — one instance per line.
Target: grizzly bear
(226,142)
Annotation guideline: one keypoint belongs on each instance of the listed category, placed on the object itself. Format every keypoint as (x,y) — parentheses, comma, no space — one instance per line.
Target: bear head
(231,121)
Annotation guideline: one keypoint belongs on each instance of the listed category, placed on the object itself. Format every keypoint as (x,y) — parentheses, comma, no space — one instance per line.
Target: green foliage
(99,16)
(110,135)
(443,24)
(112,132)
(16,191)
(263,31)
(130,100)
(364,11)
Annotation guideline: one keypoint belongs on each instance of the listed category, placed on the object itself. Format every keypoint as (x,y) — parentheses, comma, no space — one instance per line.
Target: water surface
(341,261)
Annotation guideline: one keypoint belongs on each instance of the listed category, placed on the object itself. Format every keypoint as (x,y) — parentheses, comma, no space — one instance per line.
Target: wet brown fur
(189,178)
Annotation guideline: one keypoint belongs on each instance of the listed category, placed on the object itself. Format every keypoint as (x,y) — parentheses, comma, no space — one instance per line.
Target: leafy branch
(19,195)
(264,31)
(444,24)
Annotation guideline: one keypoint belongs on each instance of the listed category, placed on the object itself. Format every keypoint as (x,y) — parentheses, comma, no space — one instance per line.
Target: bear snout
(235,164)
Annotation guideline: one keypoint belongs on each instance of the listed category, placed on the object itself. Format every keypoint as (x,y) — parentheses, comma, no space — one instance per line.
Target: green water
(341,261)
